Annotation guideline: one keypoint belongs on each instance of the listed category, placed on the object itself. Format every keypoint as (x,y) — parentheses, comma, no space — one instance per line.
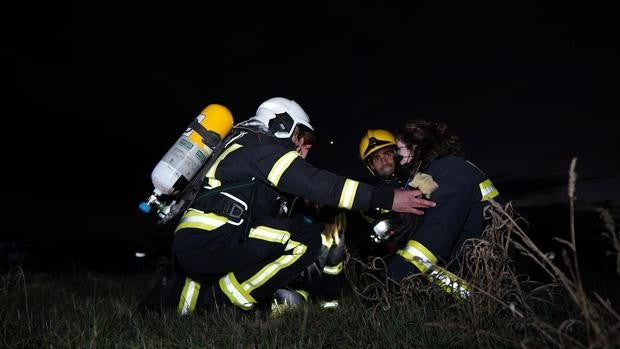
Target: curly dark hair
(432,138)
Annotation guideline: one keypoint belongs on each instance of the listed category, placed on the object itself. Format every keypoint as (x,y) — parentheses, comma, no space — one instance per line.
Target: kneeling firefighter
(432,158)
(232,243)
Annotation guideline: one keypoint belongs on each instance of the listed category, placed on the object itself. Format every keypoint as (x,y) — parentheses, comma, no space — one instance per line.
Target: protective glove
(398,228)
(425,183)
(404,226)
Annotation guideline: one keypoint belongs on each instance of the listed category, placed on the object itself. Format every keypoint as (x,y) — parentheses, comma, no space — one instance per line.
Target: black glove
(403,226)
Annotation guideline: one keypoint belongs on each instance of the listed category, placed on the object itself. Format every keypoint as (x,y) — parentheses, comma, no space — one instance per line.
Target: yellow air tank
(189,153)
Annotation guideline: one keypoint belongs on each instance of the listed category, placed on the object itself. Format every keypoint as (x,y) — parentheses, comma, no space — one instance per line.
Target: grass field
(506,309)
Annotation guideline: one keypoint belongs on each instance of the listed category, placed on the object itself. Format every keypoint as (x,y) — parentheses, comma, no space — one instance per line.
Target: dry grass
(507,306)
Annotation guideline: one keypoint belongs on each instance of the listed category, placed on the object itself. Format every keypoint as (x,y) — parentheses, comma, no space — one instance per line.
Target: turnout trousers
(245,266)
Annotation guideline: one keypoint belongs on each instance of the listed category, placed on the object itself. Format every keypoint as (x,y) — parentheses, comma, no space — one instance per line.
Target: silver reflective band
(186,298)
(414,252)
(329,304)
(454,285)
(239,299)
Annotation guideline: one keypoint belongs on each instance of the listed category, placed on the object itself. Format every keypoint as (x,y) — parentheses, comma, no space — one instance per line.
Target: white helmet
(281,115)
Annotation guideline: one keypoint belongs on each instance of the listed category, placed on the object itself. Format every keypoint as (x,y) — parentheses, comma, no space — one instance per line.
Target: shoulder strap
(187,196)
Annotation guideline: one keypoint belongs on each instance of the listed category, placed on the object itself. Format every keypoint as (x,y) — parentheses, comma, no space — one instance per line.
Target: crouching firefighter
(432,158)
(231,244)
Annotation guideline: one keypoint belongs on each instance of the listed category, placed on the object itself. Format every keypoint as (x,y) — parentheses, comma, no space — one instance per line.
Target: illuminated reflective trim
(268,271)
(487,190)
(237,295)
(189,296)
(199,220)
(291,245)
(304,294)
(426,262)
(416,249)
(326,240)
(280,166)
(348,194)
(333,270)
(213,182)
(270,234)
(451,283)
(329,304)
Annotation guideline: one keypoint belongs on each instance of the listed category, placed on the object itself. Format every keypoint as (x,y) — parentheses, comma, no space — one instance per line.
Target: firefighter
(233,244)
(378,152)
(432,158)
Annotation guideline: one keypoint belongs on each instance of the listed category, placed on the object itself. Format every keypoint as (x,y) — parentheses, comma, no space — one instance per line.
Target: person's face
(405,152)
(382,161)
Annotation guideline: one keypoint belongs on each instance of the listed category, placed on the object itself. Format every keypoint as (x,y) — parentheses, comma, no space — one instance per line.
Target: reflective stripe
(268,271)
(270,234)
(213,182)
(487,190)
(348,194)
(426,262)
(199,220)
(329,304)
(304,294)
(189,296)
(280,166)
(416,249)
(451,283)
(326,240)
(333,270)
(237,295)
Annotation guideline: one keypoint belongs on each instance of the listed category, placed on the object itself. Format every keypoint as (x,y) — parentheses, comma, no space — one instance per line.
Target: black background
(95,94)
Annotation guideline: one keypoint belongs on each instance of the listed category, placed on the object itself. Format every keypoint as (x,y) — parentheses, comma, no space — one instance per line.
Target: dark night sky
(98,93)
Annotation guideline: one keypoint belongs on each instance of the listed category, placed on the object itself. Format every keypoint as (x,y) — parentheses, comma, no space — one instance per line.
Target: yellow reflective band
(199,220)
(348,194)
(426,262)
(237,295)
(418,255)
(450,283)
(326,240)
(189,296)
(487,190)
(262,232)
(304,294)
(416,249)
(280,166)
(268,271)
(213,182)
(333,270)
(291,245)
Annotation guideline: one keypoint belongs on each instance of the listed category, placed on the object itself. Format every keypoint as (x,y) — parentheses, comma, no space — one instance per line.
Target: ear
(295,138)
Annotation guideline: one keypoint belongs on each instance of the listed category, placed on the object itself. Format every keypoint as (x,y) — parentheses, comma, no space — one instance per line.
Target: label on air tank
(183,159)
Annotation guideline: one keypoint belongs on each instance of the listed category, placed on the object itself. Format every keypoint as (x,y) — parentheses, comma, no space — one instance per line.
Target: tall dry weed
(505,303)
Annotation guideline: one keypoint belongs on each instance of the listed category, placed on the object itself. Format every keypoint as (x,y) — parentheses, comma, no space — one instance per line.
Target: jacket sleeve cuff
(382,197)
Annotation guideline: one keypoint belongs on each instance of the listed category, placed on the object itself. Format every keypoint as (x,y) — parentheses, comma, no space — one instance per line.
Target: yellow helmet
(374,140)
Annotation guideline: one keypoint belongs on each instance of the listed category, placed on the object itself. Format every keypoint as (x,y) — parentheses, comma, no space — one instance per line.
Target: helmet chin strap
(387,178)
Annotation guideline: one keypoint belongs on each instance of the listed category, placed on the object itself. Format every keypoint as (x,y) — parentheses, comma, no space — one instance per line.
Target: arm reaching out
(409,201)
